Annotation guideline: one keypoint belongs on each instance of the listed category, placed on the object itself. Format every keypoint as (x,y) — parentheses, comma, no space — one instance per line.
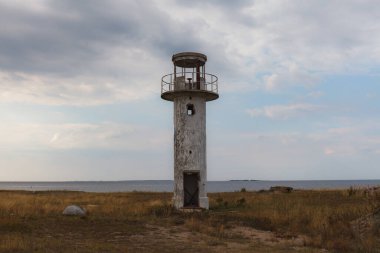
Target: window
(190,109)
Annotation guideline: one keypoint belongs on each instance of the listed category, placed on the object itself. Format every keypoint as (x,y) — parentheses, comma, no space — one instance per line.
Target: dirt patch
(267,237)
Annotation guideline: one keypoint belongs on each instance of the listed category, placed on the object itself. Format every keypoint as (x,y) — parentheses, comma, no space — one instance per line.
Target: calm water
(167,185)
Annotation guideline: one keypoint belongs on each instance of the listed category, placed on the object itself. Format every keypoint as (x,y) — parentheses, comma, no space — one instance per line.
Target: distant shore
(167,185)
(232,180)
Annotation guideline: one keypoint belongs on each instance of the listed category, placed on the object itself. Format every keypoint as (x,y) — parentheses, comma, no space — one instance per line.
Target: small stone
(74,210)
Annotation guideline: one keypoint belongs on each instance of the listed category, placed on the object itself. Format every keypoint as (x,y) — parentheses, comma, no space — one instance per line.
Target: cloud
(283,111)
(354,138)
(276,45)
(271,45)
(106,136)
(102,52)
(315,94)
(323,152)
(291,76)
(82,91)
(329,151)
(342,130)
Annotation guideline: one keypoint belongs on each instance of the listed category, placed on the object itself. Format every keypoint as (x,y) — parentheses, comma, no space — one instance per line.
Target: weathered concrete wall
(189,145)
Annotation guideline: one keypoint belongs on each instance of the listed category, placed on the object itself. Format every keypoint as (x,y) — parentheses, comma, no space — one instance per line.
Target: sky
(299,86)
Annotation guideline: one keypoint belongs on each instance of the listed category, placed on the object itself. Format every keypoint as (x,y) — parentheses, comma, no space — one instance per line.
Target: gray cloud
(118,45)
(112,47)
(70,37)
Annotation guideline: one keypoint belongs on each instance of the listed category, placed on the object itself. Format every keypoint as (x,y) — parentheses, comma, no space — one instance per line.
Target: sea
(167,185)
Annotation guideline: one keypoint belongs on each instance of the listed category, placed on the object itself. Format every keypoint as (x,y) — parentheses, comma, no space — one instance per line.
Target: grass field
(300,221)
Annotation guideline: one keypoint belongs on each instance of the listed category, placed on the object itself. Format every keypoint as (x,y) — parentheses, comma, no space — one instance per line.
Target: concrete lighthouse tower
(189,87)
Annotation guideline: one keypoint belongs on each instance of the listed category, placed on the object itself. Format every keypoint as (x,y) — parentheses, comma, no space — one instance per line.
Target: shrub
(240,202)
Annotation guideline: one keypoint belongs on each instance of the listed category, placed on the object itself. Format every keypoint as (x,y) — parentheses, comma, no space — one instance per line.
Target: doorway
(191,189)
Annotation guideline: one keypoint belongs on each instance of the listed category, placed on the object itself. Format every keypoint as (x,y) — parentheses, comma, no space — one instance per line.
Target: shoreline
(167,185)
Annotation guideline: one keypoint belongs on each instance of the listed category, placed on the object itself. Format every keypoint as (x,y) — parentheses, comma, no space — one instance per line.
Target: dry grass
(324,216)
(145,222)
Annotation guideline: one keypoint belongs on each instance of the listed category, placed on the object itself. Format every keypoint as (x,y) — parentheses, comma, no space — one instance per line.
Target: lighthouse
(189,88)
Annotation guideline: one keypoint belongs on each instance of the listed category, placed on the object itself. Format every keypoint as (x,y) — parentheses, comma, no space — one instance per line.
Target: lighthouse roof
(189,59)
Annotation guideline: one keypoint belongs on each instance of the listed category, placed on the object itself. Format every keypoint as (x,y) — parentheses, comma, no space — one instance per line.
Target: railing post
(171,81)
(212,81)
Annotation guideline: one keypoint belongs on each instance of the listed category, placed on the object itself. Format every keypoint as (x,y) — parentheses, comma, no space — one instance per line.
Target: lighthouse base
(203,202)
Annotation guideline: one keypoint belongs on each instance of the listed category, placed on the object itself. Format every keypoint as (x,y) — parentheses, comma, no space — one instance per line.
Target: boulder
(74,210)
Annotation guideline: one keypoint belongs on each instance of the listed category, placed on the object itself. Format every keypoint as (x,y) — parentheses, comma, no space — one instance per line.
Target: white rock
(74,210)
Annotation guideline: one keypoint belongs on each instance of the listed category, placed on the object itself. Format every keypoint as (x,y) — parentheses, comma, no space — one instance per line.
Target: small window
(190,109)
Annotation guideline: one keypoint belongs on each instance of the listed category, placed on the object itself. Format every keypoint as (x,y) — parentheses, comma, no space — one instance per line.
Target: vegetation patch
(244,221)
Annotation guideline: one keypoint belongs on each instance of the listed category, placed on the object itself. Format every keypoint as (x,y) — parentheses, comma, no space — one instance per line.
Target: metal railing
(189,81)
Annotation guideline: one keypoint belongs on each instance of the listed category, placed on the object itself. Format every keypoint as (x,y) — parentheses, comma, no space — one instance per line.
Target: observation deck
(178,84)
(190,79)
